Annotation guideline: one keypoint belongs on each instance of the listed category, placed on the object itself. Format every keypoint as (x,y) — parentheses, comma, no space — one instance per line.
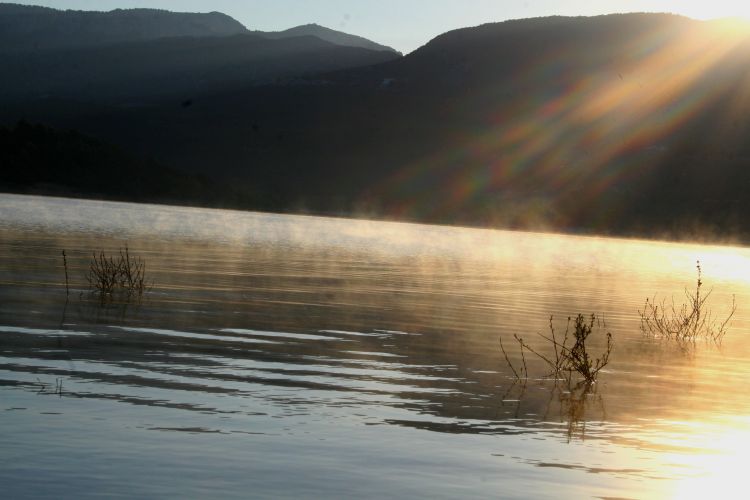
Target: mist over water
(293,356)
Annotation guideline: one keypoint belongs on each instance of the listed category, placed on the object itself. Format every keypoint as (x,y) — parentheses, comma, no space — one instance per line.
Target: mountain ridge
(23,28)
(181,66)
(625,124)
(27,28)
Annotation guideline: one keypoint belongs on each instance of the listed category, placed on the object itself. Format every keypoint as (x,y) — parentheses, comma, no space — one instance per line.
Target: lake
(294,356)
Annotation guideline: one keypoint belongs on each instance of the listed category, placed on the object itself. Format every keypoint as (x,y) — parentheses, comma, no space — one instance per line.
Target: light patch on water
(395,332)
(378,354)
(300,336)
(40,331)
(191,335)
(354,334)
(717,467)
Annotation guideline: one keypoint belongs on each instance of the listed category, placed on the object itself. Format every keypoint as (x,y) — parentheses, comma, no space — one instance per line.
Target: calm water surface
(285,356)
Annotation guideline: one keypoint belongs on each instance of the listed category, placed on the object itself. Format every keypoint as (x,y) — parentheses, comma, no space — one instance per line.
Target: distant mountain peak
(329,35)
(38,28)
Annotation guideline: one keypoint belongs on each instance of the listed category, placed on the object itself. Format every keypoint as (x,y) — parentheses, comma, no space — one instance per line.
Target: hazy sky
(406,24)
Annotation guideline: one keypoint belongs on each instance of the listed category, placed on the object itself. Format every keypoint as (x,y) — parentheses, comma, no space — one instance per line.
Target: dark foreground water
(283,356)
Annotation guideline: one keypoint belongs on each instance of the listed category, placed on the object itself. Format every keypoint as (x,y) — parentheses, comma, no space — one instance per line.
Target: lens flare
(592,128)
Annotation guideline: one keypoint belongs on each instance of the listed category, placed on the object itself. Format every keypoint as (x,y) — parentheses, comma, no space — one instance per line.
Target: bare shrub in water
(687,322)
(522,370)
(567,359)
(577,358)
(117,273)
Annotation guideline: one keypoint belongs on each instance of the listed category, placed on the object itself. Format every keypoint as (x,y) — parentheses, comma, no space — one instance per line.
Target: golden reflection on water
(732,264)
(664,420)
(718,466)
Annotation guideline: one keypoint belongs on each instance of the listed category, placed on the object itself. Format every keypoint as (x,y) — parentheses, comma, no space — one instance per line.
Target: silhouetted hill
(133,56)
(634,124)
(176,68)
(39,28)
(327,34)
(24,28)
(38,159)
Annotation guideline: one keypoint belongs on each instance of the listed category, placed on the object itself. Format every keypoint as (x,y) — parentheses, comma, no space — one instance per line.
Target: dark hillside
(38,159)
(174,68)
(39,28)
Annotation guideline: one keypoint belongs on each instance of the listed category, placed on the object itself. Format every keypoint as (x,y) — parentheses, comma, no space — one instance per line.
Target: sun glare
(719,471)
(728,264)
(713,10)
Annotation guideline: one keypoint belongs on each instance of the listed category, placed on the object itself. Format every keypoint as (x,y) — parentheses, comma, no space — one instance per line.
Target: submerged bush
(689,321)
(577,358)
(566,359)
(117,273)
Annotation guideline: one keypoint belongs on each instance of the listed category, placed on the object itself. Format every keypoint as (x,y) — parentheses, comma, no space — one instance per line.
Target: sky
(406,24)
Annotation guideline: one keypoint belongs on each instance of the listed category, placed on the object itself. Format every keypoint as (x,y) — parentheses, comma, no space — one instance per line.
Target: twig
(507,360)
(65,264)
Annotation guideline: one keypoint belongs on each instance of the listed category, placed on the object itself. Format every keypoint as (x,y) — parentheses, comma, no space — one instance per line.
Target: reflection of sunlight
(729,265)
(725,267)
(712,10)
(720,471)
